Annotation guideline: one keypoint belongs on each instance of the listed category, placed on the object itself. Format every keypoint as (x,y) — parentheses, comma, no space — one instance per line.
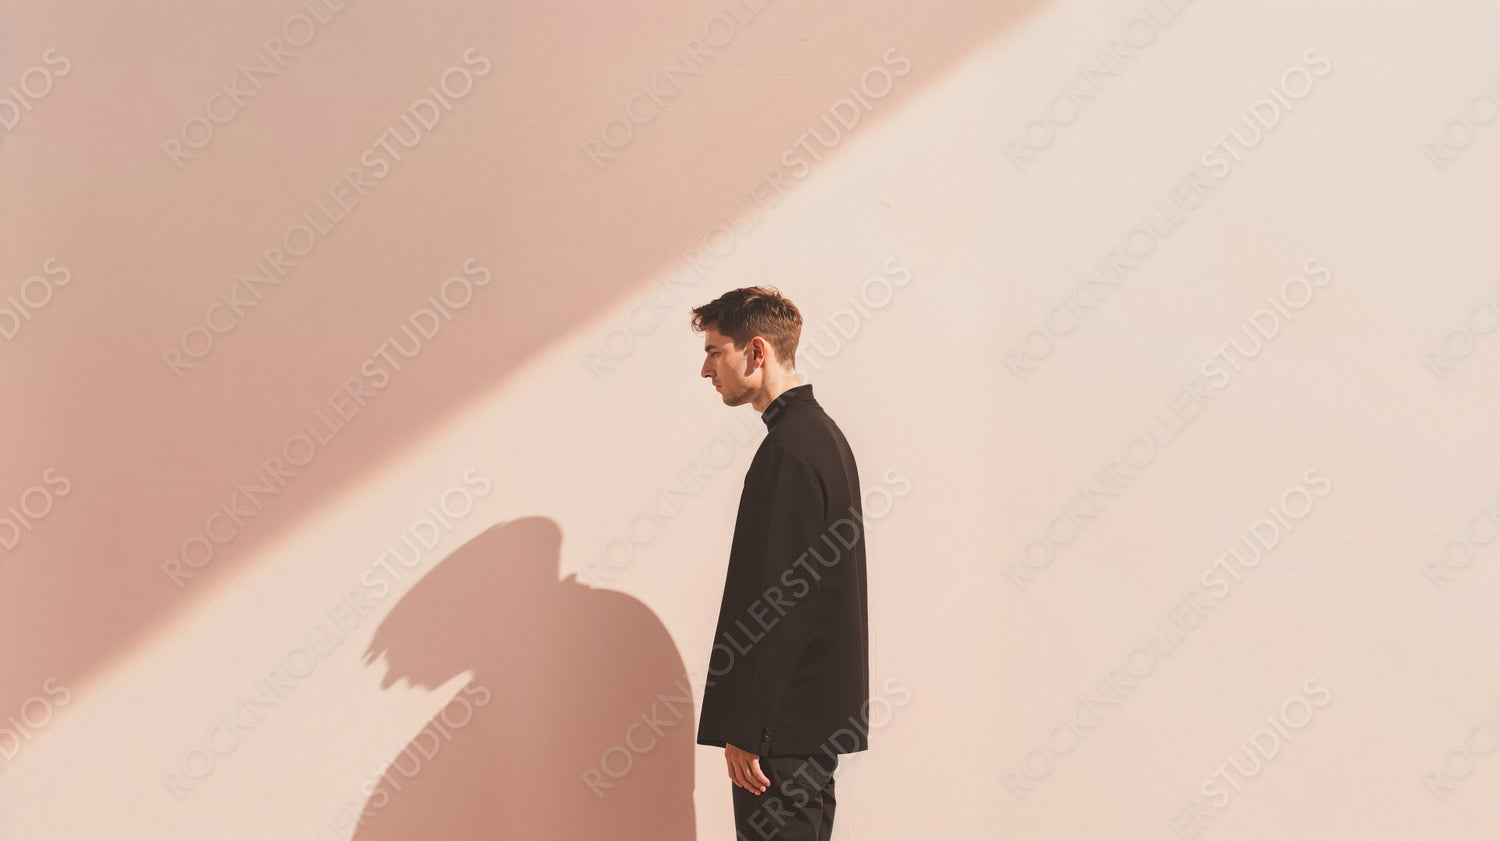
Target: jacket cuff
(757,742)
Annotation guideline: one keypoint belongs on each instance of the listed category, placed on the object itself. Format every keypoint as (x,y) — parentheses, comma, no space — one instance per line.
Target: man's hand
(744,769)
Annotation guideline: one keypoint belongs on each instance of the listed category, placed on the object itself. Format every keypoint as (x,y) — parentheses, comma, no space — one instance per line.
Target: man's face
(727,366)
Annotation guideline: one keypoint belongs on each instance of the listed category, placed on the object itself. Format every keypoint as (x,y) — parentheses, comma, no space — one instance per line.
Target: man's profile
(788,681)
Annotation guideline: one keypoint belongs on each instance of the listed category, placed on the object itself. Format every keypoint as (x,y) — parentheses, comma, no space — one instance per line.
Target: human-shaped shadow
(568,680)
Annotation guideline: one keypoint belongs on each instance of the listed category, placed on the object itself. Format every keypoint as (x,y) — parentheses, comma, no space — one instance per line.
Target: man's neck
(771,392)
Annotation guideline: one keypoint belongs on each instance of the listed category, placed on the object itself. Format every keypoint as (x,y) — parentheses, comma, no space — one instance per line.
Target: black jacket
(789,672)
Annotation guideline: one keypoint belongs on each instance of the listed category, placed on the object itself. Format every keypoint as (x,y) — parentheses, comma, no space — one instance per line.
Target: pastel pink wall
(1104,294)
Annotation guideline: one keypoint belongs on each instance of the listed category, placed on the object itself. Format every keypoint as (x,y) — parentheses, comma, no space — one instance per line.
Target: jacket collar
(796,395)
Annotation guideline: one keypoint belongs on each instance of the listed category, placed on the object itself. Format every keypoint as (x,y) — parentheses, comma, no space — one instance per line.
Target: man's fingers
(749,775)
(736,774)
(755,782)
(744,770)
(759,777)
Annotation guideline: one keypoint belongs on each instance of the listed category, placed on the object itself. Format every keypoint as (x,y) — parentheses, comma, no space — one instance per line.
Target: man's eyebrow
(710,347)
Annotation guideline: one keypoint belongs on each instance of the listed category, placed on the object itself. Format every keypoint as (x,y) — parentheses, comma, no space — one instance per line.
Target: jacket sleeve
(789,574)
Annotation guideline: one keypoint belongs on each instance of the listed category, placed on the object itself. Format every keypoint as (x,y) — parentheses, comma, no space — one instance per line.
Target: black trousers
(796,806)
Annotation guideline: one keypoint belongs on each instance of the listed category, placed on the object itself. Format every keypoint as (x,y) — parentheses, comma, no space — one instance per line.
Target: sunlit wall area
(1248,401)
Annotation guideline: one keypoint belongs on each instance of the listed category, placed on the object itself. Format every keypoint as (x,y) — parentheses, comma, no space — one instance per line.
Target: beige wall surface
(358,481)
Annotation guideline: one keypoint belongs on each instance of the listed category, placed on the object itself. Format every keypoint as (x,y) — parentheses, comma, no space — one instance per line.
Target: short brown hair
(743,314)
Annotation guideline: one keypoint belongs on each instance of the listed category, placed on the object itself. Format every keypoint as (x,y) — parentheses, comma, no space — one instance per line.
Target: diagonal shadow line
(153,456)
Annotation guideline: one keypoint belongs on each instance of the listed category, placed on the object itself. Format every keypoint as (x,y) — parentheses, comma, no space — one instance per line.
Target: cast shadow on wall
(561,673)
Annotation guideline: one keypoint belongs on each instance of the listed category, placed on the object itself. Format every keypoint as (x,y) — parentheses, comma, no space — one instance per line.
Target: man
(788,681)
